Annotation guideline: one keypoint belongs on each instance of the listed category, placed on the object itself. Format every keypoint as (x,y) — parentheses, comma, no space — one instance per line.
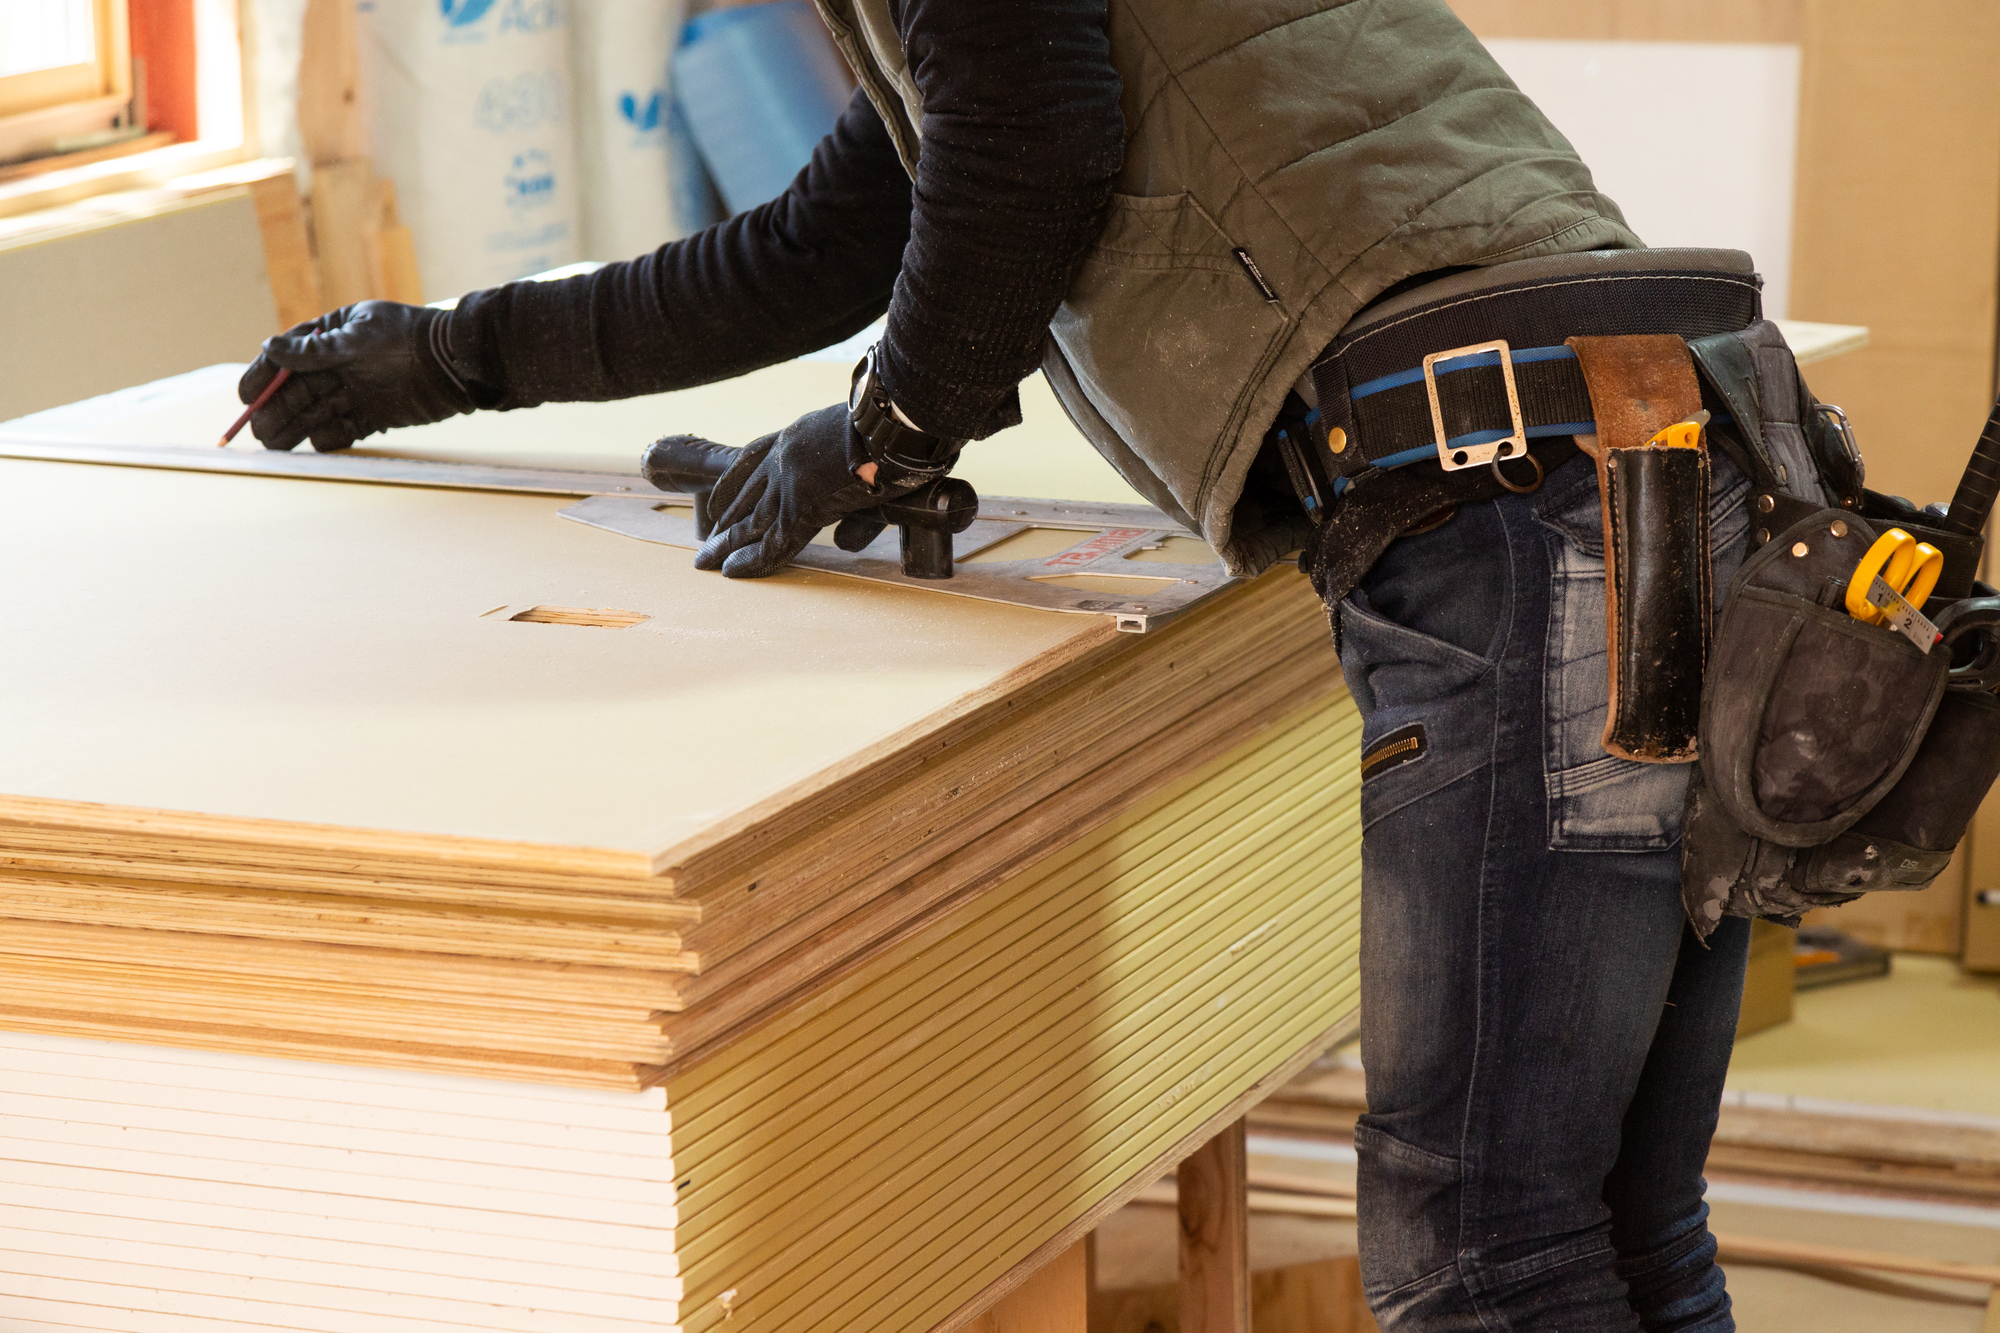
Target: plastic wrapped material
(643,185)
(274,34)
(760,86)
(474,124)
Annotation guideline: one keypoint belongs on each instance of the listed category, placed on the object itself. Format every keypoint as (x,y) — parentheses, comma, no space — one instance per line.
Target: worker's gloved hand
(784,488)
(361,369)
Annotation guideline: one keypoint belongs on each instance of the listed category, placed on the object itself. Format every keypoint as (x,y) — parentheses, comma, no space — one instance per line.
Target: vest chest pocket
(1166,324)
(1162,232)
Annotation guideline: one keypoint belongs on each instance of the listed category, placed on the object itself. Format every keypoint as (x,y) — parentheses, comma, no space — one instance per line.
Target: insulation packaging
(642,183)
(760,85)
(274,35)
(474,123)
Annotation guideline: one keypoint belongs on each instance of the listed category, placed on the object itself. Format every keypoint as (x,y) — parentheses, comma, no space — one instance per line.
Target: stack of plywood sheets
(943,926)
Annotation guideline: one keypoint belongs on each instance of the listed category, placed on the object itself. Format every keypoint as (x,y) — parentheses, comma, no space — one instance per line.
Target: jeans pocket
(1425,704)
(1597,801)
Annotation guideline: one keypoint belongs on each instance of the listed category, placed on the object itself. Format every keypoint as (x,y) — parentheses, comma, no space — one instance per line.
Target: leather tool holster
(1657,571)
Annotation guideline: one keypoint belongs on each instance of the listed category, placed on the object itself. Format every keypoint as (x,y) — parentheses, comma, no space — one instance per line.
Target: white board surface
(145,1189)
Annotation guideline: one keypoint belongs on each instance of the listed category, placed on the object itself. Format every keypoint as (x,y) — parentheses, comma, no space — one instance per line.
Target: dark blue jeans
(1545,1041)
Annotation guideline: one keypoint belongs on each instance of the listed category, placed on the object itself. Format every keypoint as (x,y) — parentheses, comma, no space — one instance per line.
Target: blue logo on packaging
(644,118)
(527,101)
(458,13)
(532,15)
(529,16)
(531,181)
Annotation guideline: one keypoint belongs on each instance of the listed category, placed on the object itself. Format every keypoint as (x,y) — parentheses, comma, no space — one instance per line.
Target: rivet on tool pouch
(1653,478)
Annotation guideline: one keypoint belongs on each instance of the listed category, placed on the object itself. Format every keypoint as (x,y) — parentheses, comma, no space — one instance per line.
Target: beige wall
(123,304)
(1897,196)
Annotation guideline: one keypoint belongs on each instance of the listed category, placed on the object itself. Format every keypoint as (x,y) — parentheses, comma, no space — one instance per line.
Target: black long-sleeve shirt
(1021,137)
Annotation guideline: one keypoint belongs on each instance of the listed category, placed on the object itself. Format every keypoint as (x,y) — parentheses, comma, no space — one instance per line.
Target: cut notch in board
(604,617)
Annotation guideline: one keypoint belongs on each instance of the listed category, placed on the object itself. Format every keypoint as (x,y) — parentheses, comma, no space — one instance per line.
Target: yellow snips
(1910,568)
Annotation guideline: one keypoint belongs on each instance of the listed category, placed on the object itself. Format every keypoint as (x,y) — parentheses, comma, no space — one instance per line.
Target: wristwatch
(887,434)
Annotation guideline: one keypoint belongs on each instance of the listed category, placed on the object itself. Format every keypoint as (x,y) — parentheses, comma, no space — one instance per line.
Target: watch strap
(887,440)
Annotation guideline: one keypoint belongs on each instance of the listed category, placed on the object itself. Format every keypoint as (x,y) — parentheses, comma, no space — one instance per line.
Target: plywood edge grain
(1167,1161)
(610,1075)
(723,1005)
(466,855)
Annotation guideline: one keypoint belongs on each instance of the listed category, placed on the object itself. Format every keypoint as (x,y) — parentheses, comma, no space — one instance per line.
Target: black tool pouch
(1908,839)
(1811,720)
(1657,597)
(1657,591)
(1820,780)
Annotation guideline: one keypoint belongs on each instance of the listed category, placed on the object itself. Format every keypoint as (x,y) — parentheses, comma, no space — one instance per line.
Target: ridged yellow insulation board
(875,1158)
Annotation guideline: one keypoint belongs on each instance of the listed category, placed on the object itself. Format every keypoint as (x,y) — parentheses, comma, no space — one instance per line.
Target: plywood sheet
(151,295)
(882,1156)
(283,650)
(1898,225)
(279,650)
(140,1184)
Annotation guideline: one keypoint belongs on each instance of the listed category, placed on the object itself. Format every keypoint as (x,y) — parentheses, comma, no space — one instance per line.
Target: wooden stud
(392,251)
(1215,1237)
(288,257)
(344,208)
(1795,1254)
(330,121)
(1054,1300)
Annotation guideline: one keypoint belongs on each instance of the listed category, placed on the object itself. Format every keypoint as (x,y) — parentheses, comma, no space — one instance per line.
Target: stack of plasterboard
(596,966)
(874,1158)
(919,931)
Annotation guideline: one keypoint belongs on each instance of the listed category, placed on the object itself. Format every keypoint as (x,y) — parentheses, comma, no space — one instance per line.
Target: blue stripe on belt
(1521,356)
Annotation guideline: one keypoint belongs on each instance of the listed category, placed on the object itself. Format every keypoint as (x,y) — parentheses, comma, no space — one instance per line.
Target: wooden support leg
(1054,1300)
(1215,1236)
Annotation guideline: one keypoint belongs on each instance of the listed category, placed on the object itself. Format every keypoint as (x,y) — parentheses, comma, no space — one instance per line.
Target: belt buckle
(1476,455)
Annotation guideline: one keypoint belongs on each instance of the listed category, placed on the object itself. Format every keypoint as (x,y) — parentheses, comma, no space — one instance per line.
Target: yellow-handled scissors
(1910,568)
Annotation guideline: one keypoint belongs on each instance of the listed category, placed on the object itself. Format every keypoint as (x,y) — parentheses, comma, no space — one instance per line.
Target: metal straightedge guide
(1094,575)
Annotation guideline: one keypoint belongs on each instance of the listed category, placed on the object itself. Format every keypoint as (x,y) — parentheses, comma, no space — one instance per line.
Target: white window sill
(148,170)
(163,186)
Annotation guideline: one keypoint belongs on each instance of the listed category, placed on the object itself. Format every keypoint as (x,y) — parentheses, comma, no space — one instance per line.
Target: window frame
(41,106)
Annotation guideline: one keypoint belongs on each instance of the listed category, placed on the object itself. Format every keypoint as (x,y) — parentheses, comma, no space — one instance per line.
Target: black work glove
(784,488)
(361,369)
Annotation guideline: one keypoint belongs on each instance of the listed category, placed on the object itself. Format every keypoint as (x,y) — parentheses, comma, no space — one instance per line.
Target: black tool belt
(1465,388)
